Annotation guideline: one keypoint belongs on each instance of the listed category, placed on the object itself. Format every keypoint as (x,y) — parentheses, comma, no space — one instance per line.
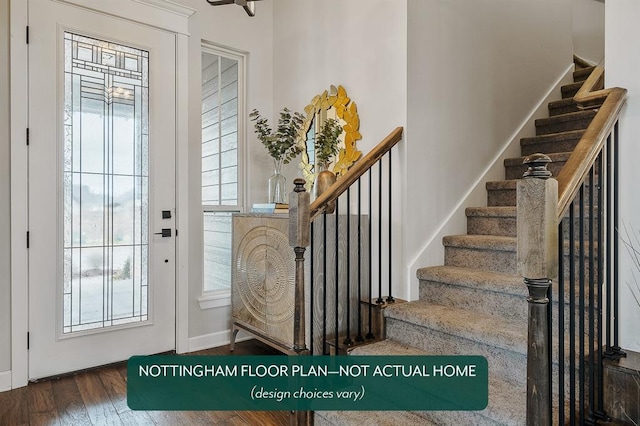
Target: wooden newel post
(299,237)
(537,230)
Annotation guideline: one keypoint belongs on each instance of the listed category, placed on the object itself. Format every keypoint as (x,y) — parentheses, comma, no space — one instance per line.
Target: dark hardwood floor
(98,397)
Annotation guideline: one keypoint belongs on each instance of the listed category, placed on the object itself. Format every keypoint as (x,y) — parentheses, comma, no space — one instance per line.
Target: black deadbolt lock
(166,214)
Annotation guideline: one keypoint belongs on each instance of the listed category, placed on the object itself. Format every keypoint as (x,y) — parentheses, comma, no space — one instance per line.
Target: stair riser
(488,260)
(582,74)
(501,361)
(501,197)
(551,147)
(507,197)
(516,171)
(503,305)
(565,126)
(497,261)
(563,109)
(569,93)
(502,226)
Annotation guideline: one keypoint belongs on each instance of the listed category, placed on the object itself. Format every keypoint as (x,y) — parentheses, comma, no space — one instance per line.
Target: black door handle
(166,232)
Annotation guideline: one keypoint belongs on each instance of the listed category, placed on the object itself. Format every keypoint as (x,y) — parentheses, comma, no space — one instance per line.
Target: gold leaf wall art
(333,103)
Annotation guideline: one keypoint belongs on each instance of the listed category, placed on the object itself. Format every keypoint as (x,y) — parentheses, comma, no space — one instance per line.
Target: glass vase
(278,185)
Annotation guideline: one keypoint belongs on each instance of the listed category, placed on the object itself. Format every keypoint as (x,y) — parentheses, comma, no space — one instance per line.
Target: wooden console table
(263,277)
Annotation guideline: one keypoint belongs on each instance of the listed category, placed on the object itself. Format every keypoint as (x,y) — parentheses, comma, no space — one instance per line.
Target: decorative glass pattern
(106,184)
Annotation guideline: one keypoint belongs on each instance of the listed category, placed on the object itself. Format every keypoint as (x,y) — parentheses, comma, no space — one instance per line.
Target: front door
(101,189)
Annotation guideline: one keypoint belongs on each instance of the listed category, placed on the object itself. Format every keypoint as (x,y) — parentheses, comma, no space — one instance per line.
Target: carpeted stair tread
(492,211)
(501,184)
(473,326)
(481,242)
(570,90)
(474,278)
(552,142)
(582,73)
(564,122)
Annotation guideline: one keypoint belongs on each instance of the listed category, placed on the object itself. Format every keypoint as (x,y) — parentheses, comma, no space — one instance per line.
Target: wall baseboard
(213,340)
(5,381)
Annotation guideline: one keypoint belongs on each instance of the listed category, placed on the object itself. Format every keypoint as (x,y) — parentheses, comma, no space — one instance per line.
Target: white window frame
(210,299)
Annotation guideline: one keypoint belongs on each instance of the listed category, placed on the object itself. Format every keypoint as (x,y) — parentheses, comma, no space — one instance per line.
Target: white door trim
(19,171)
(19,195)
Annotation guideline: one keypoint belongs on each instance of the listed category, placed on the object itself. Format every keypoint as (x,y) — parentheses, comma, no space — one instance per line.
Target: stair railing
(567,230)
(343,249)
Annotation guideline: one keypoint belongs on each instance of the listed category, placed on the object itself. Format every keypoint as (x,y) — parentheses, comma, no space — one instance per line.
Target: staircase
(476,303)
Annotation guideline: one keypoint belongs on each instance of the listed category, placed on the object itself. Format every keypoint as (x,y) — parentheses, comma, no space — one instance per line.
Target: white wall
(622,70)
(588,29)
(227,26)
(476,70)
(5,247)
(360,44)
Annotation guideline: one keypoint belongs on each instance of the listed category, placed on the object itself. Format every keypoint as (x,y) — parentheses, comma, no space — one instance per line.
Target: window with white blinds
(222,84)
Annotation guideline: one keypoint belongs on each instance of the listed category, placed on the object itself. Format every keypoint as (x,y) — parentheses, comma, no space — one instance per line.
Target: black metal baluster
(337,278)
(600,413)
(324,284)
(616,284)
(370,334)
(347,340)
(549,371)
(359,337)
(610,235)
(390,298)
(572,315)
(311,288)
(560,323)
(380,301)
(582,404)
(591,316)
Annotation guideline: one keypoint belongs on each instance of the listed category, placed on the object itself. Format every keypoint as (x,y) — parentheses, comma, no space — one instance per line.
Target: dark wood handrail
(586,152)
(354,173)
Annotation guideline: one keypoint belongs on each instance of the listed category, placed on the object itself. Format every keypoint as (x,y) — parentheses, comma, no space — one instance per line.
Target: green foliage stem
(280,144)
(327,142)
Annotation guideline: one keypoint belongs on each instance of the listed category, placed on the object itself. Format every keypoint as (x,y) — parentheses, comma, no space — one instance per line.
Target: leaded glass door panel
(101,172)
